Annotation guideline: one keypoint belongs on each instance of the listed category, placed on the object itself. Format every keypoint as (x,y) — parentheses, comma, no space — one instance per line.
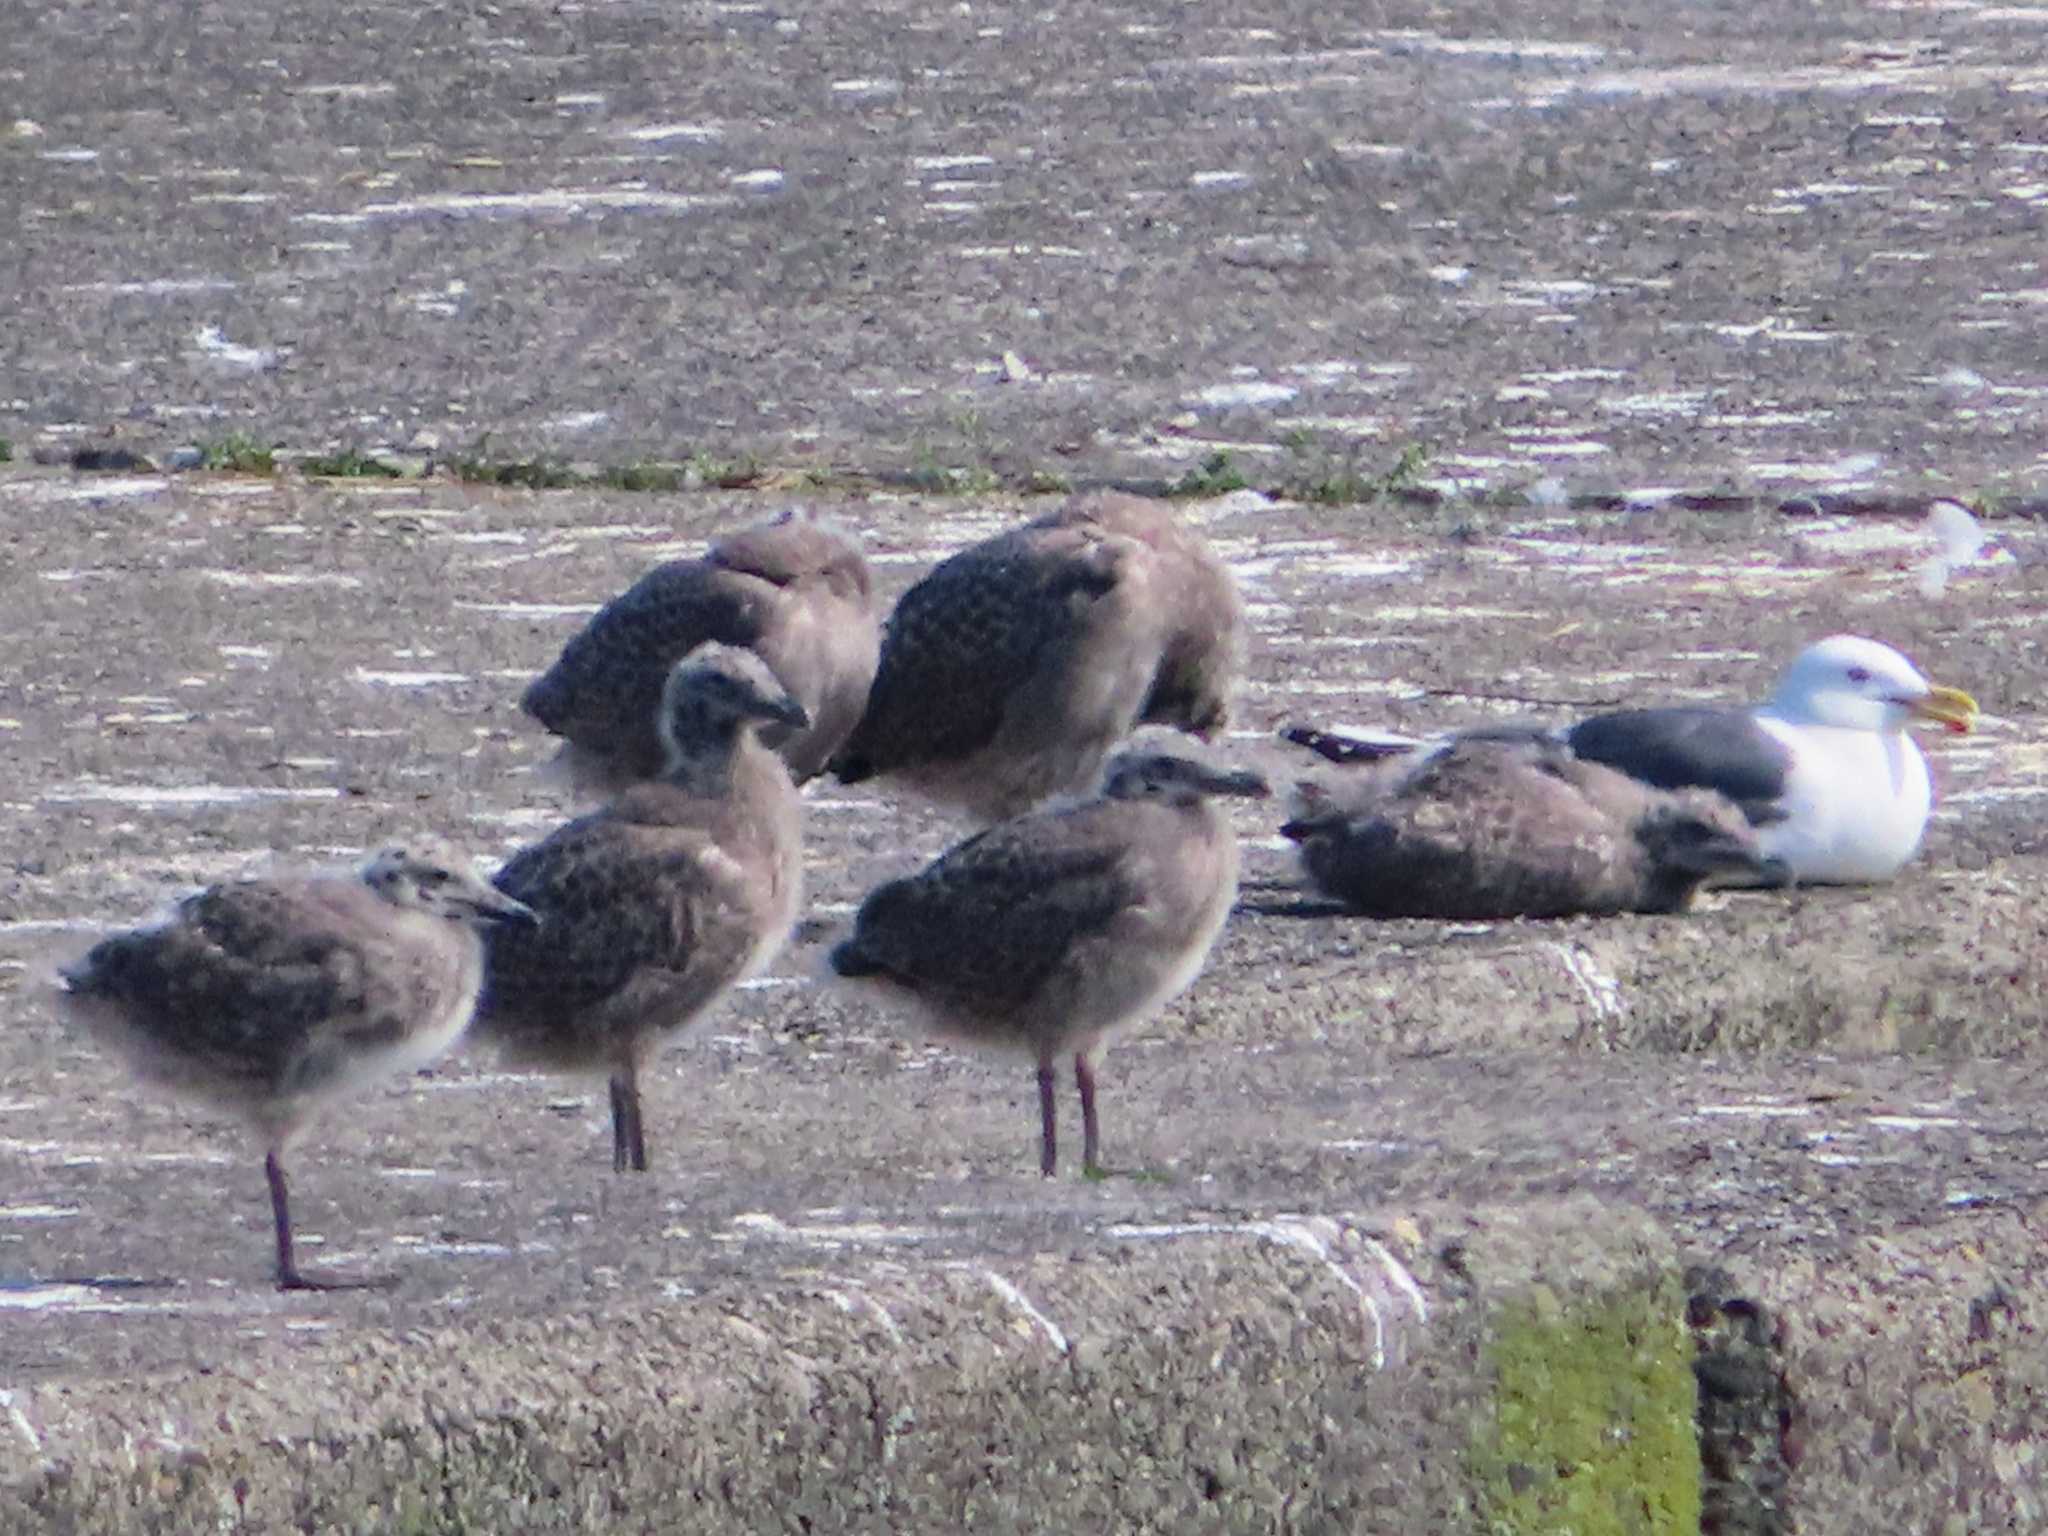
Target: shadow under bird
(1825,769)
(657,905)
(269,997)
(1011,672)
(1054,932)
(794,590)
(1514,826)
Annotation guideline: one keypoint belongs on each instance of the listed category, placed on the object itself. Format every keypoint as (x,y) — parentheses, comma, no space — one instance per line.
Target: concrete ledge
(1506,1370)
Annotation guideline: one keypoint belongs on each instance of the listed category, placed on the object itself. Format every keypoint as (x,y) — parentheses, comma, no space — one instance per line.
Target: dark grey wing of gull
(604,689)
(987,924)
(1679,748)
(254,984)
(962,641)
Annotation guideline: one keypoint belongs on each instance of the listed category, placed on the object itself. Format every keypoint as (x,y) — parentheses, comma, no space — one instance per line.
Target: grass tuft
(1217,475)
(531,474)
(238,453)
(642,477)
(349,464)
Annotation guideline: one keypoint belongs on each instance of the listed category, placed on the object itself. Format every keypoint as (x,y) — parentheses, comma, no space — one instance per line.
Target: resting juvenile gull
(269,997)
(794,590)
(1485,828)
(653,908)
(1054,932)
(1012,670)
(1837,789)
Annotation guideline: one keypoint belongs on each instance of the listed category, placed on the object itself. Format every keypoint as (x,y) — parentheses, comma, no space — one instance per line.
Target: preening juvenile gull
(268,997)
(794,590)
(1513,826)
(1825,768)
(1012,670)
(1194,685)
(1054,932)
(656,906)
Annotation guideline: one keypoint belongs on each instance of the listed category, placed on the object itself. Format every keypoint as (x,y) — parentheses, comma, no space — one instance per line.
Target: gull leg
(289,1276)
(629,1141)
(1091,1140)
(1048,1155)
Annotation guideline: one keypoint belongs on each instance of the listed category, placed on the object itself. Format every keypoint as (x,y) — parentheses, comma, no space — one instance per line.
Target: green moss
(1216,475)
(531,474)
(238,453)
(349,464)
(643,476)
(1593,1430)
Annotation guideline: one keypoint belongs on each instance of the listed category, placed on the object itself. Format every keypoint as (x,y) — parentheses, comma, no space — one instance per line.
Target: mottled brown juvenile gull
(656,906)
(1825,769)
(1514,826)
(795,591)
(1054,932)
(1195,683)
(1010,673)
(268,997)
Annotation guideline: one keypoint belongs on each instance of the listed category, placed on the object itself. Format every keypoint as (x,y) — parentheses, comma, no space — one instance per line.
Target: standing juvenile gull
(795,591)
(1485,828)
(653,908)
(1838,790)
(268,997)
(1055,932)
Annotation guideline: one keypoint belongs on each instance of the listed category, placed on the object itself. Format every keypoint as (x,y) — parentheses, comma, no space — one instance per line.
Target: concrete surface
(1724,1222)
(1420,1227)
(1627,246)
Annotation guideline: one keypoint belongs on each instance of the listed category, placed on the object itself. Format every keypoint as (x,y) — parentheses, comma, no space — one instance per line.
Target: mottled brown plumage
(1194,685)
(1010,673)
(266,998)
(656,906)
(1053,932)
(795,591)
(1513,826)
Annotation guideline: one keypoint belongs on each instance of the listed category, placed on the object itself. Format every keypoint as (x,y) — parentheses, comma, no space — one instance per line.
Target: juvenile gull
(1054,932)
(1825,769)
(1011,671)
(1204,659)
(268,997)
(1485,828)
(795,591)
(654,907)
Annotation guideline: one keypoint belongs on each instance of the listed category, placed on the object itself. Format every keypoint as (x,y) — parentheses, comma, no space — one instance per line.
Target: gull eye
(1859,674)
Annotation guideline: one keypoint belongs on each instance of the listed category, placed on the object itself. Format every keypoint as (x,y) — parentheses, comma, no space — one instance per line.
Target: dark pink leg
(1091,1140)
(289,1277)
(629,1142)
(1049,1147)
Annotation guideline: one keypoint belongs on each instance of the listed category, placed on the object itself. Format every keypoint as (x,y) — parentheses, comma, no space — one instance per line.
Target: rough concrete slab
(1417,1224)
(1777,246)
